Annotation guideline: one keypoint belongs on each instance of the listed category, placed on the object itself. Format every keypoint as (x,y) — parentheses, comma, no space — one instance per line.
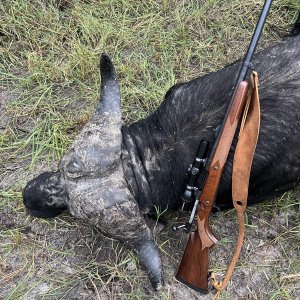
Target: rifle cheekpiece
(206,170)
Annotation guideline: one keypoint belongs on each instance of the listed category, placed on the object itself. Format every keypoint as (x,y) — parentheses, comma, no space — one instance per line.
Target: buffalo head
(90,181)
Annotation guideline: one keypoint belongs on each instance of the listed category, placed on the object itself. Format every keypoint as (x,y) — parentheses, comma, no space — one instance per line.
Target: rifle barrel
(244,69)
(254,41)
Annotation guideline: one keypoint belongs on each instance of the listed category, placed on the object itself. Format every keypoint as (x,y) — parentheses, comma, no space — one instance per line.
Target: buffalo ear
(109,92)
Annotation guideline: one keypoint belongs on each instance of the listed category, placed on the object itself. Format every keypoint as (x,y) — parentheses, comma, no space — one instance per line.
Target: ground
(49,85)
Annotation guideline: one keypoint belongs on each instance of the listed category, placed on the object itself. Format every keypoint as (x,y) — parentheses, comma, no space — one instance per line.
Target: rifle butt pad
(193,268)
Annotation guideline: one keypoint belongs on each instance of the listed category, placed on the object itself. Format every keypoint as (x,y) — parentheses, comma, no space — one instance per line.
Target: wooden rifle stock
(193,269)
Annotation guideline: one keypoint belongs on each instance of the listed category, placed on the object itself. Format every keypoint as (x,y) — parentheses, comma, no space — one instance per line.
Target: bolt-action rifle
(193,269)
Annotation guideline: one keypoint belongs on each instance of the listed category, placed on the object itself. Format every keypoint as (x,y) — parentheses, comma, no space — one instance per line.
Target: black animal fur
(164,144)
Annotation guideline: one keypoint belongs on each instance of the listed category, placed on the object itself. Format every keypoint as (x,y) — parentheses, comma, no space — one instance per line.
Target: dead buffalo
(114,174)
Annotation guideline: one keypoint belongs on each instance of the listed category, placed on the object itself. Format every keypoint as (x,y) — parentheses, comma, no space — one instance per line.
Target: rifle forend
(193,269)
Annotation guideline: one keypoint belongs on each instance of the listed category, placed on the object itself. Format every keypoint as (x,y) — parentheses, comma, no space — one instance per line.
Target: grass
(49,86)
